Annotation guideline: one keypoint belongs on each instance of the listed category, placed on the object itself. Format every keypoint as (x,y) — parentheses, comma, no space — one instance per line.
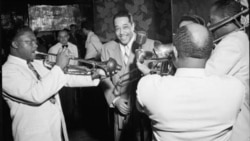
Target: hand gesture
(98,73)
(122,106)
(143,68)
(62,58)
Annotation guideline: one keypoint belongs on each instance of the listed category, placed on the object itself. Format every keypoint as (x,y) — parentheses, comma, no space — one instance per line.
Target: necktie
(64,46)
(126,55)
(32,68)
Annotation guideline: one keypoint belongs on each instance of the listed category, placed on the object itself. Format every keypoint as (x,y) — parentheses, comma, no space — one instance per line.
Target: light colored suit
(35,117)
(231,56)
(112,49)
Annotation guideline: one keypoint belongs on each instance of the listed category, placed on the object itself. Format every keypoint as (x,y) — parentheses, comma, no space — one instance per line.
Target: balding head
(193,40)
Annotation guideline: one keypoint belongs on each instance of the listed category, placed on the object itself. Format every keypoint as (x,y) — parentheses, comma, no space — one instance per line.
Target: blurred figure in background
(93,44)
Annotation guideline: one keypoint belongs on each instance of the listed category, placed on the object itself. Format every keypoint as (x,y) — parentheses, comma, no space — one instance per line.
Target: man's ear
(14,44)
(175,52)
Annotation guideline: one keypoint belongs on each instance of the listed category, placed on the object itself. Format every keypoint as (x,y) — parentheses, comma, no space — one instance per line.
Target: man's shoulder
(237,36)
(55,47)
(72,45)
(149,44)
(228,81)
(111,44)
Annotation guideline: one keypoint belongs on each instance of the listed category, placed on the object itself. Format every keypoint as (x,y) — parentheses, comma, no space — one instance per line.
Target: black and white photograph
(124,70)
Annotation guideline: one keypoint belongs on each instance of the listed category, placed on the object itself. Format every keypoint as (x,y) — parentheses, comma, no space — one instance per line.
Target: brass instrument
(228,20)
(160,61)
(110,67)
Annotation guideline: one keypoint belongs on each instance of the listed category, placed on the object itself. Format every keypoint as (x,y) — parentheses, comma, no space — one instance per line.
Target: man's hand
(98,73)
(122,106)
(143,68)
(62,58)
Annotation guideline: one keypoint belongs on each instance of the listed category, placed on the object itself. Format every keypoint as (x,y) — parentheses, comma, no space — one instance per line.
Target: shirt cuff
(112,105)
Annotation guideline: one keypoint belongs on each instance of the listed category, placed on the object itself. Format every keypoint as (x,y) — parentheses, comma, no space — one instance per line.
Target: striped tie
(32,68)
(126,55)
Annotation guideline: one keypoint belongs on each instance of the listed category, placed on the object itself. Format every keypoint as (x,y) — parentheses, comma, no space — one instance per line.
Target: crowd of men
(206,99)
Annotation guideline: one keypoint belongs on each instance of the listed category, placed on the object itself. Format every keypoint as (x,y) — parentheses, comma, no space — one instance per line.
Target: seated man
(190,105)
(31,90)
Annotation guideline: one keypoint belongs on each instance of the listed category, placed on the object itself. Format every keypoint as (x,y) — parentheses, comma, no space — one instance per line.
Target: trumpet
(110,66)
(228,20)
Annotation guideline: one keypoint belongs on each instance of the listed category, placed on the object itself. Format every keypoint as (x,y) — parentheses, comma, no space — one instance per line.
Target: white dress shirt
(190,106)
(34,116)
(93,46)
(72,48)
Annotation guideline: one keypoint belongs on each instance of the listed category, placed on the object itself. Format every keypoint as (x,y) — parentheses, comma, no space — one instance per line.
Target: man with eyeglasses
(31,90)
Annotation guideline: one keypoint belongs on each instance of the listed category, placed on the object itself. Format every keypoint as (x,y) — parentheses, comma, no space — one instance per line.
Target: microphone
(141,38)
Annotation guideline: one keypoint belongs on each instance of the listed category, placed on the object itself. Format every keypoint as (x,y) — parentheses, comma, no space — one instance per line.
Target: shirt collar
(89,35)
(17,60)
(190,72)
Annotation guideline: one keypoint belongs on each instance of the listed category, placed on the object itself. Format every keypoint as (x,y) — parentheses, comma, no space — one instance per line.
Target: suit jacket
(34,116)
(231,57)
(112,49)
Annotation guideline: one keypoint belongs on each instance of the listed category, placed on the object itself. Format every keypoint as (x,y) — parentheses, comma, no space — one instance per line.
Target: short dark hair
(227,7)
(87,25)
(194,18)
(123,13)
(21,31)
(63,30)
(183,41)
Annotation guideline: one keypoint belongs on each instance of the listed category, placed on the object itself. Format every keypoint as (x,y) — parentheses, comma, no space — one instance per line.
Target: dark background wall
(185,7)
(152,16)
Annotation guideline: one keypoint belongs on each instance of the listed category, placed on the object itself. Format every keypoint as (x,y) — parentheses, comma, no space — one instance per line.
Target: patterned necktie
(126,55)
(32,68)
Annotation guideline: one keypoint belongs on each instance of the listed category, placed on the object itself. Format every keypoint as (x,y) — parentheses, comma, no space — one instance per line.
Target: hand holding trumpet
(62,59)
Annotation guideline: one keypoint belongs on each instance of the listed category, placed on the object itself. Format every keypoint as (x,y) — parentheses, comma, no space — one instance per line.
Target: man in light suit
(31,90)
(231,56)
(119,92)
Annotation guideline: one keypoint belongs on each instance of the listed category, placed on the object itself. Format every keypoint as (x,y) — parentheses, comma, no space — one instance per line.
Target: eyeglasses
(30,42)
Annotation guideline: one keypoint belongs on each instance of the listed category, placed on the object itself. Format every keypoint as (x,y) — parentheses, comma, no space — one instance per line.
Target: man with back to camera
(191,105)
(31,90)
(122,97)
(231,57)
